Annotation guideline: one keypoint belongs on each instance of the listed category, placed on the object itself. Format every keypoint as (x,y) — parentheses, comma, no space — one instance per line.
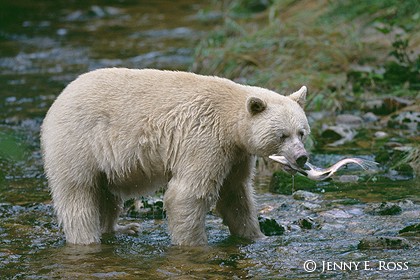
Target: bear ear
(255,105)
(299,96)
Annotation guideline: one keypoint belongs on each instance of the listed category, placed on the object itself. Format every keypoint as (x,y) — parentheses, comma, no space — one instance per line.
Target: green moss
(11,147)
(284,183)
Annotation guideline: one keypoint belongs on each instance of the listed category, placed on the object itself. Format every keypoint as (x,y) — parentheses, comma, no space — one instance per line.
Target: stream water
(46,44)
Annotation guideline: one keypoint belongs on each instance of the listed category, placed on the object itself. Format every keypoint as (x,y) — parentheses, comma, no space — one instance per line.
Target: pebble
(62,31)
(380,134)
(370,117)
(294,227)
(305,195)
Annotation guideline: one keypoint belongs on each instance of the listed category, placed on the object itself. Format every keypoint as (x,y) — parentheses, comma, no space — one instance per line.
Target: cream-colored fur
(115,133)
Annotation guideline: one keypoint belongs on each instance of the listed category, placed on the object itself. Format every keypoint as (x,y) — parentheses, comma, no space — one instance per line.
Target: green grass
(321,44)
(393,12)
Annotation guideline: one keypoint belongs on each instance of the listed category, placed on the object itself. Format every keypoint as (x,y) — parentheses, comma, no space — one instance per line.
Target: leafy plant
(401,71)
(404,69)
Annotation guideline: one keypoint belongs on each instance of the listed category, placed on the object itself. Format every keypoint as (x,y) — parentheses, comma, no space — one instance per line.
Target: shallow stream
(46,44)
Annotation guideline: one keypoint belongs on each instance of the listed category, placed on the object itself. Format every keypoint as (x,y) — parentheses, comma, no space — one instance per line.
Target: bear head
(277,124)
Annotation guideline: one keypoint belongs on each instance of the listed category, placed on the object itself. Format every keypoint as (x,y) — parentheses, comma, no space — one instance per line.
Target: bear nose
(301,160)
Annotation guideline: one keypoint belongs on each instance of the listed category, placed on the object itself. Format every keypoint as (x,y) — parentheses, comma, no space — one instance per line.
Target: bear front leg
(236,204)
(186,214)
(77,209)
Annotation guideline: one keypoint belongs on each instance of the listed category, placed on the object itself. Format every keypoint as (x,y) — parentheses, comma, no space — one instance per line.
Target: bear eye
(301,134)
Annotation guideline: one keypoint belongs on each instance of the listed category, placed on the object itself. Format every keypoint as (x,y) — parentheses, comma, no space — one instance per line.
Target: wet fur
(114,134)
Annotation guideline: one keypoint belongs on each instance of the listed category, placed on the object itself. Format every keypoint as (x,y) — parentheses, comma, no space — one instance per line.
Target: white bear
(117,133)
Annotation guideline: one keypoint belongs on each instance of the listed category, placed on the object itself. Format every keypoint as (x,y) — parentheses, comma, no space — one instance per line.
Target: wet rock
(411,230)
(97,11)
(383,242)
(405,120)
(401,172)
(93,12)
(294,227)
(374,106)
(308,223)
(394,103)
(355,212)
(381,135)
(336,214)
(344,201)
(403,158)
(406,170)
(339,134)
(110,275)
(346,179)
(349,120)
(269,226)
(333,227)
(100,12)
(311,206)
(267,209)
(370,117)
(407,203)
(62,32)
(305,195)
(385,208)
(387,105)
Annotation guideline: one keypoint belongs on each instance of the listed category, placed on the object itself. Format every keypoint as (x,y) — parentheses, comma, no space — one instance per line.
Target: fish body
(318,173)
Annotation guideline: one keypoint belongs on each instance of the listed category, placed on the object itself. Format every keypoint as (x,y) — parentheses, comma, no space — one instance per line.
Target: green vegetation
(349,54)
(342,50)
(11,148)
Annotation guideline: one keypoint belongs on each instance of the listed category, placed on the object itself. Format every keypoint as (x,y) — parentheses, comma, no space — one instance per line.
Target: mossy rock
(413,229)
(384,209)
(270,226)
(308,223)
(383,242)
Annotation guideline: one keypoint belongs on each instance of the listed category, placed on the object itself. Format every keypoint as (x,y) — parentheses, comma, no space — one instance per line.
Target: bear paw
(132,228)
